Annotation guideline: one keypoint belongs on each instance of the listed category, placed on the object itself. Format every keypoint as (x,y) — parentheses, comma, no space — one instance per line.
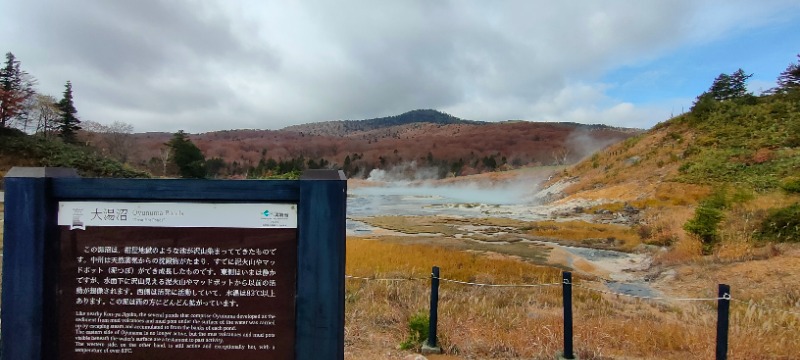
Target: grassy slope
(753,146)
(750,149)
(18,149)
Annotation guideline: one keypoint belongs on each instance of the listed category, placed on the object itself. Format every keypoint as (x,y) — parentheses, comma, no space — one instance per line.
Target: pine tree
(727,87)
(16,88)
(790,78)
(739,83)
(69,124)
(721,87)
(187,156)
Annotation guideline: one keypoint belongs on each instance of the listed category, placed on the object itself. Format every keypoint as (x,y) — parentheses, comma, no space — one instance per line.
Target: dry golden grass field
(526,323)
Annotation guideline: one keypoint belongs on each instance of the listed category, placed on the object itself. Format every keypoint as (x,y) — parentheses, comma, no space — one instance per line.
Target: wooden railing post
(723,317)
(431,346)
(566,291)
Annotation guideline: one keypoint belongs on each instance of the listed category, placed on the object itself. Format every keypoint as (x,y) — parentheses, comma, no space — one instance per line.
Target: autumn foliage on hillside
(447,149)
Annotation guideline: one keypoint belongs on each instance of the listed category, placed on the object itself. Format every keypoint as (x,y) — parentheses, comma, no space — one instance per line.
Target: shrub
(706,219)
(418,326)
(39,151)
(791,186)
(782,225)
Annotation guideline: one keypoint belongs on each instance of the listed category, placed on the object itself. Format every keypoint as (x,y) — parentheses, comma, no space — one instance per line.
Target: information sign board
(177,280)
(172,269)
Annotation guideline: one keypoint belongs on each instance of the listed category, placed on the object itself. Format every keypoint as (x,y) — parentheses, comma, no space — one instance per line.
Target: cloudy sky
(229,64)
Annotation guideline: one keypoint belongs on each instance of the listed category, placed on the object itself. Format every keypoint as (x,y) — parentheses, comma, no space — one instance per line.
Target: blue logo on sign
(266,213)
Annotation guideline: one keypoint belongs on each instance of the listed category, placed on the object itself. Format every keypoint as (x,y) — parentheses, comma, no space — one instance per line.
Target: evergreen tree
(187,156)
(16,88)
(69,124)
(730,86)
(739,84)
(721,87)
(790,78)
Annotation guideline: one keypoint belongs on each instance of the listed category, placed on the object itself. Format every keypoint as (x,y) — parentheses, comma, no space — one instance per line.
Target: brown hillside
(428,145)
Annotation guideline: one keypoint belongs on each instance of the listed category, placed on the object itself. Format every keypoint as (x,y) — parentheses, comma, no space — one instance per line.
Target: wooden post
(434,315)
(566,290)
(723,317)
(321,247)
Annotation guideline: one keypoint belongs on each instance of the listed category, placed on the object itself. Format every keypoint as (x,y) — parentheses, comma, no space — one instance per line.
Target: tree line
(733,87)
(181,157)
(22,107)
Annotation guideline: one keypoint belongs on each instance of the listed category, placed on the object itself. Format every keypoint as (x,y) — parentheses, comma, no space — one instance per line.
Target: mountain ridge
(418,116)
(346,127)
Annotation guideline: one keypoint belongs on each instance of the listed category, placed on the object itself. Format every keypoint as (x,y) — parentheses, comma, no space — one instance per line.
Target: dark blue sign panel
(167,269)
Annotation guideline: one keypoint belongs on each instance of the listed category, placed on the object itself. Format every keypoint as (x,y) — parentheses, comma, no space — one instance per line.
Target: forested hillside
(441,150)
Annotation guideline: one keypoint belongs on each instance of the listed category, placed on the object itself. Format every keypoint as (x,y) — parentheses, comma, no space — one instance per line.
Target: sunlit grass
(575,232)
(411,225)
(372,258)
(588,234)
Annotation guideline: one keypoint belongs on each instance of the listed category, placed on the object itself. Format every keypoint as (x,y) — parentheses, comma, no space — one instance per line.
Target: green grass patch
(781,225)
(749,144)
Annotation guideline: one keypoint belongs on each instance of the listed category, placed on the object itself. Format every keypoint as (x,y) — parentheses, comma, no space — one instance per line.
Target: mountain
(439,144)
(443,145)
(349,127)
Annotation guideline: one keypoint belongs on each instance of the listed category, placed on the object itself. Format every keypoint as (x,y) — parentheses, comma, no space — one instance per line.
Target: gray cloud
(207,65)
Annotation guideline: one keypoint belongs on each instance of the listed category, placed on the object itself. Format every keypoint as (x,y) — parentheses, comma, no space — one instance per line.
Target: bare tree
(91,135)
(164,154)
(115,139)
(46,114)
(120,140)
(26,115)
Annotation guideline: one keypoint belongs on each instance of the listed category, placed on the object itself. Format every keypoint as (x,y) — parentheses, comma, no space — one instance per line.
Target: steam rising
(514,198)
(582,144)
(403,173)
(470,193)
(409,189)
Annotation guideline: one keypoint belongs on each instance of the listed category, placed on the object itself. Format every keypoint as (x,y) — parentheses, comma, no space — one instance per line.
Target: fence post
(723,317)
(430,346)
(566,291)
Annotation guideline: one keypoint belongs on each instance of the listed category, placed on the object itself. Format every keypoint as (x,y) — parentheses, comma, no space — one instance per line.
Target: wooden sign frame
(31,248)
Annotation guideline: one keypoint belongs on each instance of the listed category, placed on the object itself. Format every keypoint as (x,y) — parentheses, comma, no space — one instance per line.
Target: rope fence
(582,286)
(494,285)
(723,300)
(378,279)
